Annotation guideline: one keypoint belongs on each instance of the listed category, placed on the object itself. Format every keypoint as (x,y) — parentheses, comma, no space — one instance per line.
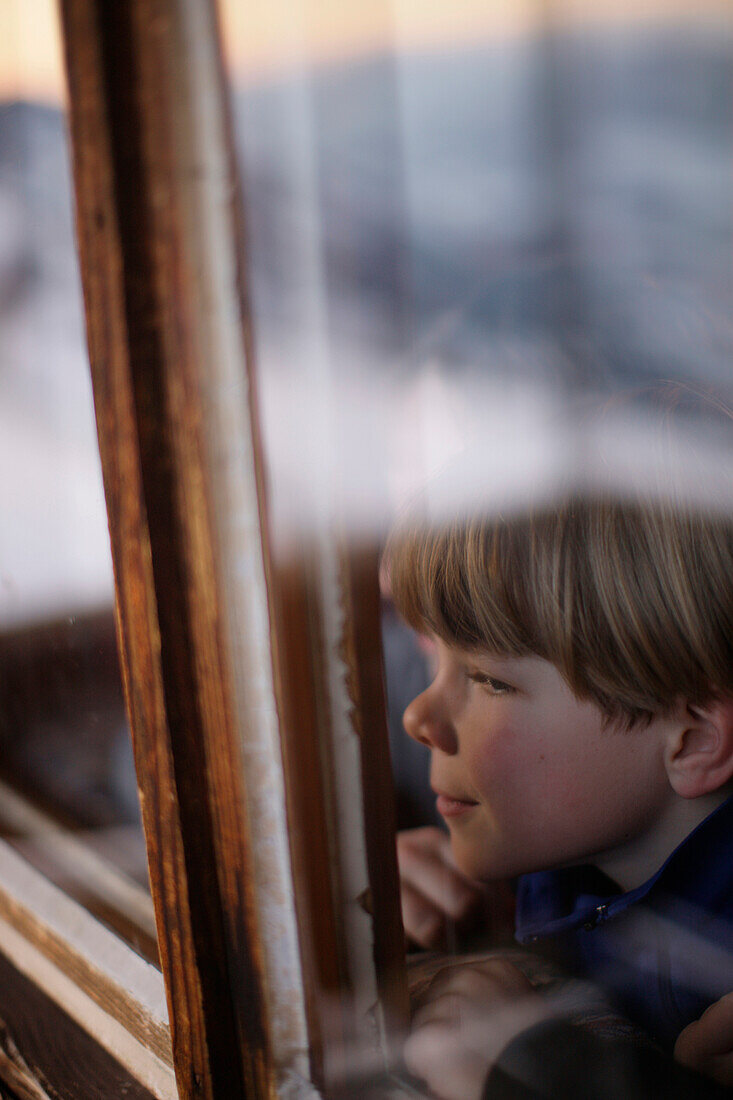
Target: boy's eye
(492,685)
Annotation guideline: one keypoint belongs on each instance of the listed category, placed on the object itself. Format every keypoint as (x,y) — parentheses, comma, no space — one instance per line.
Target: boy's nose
(426,720)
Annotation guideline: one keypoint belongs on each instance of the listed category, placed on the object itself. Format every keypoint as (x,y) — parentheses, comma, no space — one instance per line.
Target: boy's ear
(699,752)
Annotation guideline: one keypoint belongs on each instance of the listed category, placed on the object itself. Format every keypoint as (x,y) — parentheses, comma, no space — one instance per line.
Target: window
(333,258)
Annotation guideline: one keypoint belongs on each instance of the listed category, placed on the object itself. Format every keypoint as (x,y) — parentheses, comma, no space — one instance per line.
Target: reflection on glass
(68,797)
(490,254)
(461,238)
(471,227)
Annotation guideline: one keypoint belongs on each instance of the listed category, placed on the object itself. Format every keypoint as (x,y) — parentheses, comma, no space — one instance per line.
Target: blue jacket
(664,951)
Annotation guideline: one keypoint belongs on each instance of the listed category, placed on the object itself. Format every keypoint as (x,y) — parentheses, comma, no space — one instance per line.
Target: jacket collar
(551,902)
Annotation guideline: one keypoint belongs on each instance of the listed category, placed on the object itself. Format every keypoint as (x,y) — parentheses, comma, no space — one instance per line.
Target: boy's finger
(428,1055)
(428,840)
(707,1044)
(717,1066)
(715,1026)
(449,891)
(423,922)
(450,1073)
(446,1010)
(488,982)
(503,974)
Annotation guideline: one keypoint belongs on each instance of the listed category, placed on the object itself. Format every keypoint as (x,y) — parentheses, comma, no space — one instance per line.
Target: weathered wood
(304,719)
(131,119)
(258,1001)
(69,860)
(104,1027)
(104,969)
(341,801)
(362,653)
(45,1055)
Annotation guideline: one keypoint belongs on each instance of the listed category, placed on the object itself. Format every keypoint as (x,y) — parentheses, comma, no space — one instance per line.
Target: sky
(263,37)
(30,53)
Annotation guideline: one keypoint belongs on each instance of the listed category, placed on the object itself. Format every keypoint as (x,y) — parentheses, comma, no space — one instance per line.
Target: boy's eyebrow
(515,666)
(473,656)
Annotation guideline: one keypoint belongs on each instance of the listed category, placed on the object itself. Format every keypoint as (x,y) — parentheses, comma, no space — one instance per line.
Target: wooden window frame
(253,681)
(86,969)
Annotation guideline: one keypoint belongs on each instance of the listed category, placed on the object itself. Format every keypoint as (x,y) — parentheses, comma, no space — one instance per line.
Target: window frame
(229,654)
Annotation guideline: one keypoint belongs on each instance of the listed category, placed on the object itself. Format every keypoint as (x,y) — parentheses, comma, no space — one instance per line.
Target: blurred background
(490,256)
(482,238)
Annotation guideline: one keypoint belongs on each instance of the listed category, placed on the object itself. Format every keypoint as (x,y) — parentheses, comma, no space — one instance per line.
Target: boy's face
(526,774)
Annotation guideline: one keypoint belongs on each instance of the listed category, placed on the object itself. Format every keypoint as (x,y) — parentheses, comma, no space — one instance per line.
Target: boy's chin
(483,865)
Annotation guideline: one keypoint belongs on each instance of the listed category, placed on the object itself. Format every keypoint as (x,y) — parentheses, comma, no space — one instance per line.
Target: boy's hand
(707,1044)
(434,893)
(469,1013)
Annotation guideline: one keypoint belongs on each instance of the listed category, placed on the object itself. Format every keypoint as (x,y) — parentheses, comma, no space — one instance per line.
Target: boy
(580,724)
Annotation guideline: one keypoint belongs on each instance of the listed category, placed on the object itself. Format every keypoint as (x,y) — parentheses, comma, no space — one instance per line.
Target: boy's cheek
(506,765)
(524,821)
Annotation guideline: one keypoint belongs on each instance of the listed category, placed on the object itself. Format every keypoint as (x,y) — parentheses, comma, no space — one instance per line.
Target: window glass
(67,773)
(479,237)
(490,260)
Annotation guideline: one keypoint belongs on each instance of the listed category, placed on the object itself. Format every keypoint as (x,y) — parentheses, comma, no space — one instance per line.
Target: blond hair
(632,602)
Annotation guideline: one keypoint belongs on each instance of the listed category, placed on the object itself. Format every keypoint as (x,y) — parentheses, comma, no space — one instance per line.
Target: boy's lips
(449,805)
